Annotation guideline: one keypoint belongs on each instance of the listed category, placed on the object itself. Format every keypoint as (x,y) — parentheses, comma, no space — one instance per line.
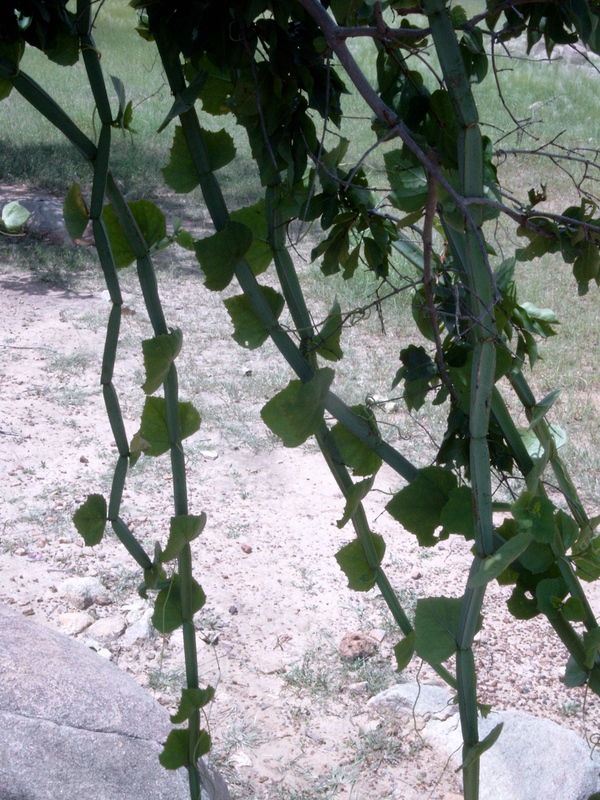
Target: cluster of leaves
(555,23)
(154,438)
(45,24)
(534,539)
(576,237)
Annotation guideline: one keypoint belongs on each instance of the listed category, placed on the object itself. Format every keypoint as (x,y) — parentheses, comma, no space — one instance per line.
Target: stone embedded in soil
(362,687)
(534,758)
(377,634)
(81,592)
(73,622)
(140,630)
(356,645)
(421,700)
(137,609)
(240,759)
(102,600)
(107,630)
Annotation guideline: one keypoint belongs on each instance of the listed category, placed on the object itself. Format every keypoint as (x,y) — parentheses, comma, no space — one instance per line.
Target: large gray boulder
(74,726)
(534,758)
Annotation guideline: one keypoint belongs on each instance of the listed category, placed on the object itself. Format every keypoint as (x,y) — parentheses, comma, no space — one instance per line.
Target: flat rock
(140,630)
(73,725)
(107,629)
(576,54)
(421,700)
(136,610)
(81,592)
(73,622)
(534,758)
(377,634)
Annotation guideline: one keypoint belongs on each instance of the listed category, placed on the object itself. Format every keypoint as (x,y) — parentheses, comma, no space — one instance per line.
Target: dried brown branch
(520,124)
(527,218)
(388,116)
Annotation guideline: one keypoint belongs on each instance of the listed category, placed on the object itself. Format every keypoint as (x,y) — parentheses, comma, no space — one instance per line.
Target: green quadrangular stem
(526,464)
(541,430)
(48,107)
(219,214)
(574,645)
(363,533)
(98,156)
(296,303)
(294,297)
(131,544)
(481,301)
(511,433)
(42,102)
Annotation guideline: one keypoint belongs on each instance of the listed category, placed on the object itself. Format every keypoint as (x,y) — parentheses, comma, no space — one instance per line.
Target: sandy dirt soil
(289,720)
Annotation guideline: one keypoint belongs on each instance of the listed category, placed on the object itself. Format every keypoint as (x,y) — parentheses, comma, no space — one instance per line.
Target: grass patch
(166,680)
(120,581)
(321,675)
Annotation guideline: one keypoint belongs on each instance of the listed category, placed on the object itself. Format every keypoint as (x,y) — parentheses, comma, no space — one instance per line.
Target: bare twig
(527,218)
(517,122)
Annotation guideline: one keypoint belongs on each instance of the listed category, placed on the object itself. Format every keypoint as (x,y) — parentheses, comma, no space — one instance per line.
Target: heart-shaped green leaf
(159,354)
(184,529)
(353,563)
(90,519)
(418,507)
(192,700)
(168,615)
(249,331)
(218,254)
(153,435)
(296,412)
